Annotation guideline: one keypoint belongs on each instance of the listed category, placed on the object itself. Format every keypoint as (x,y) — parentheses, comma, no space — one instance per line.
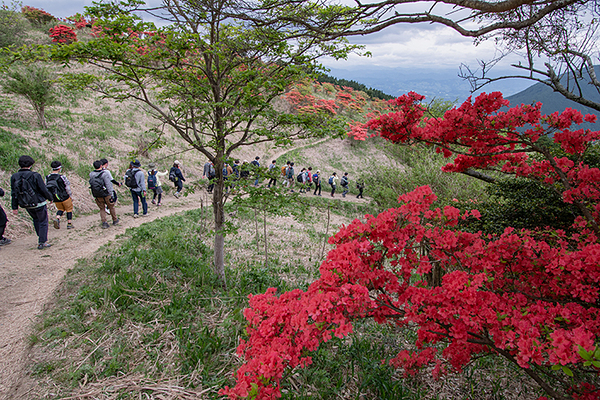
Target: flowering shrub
(79,21)
(36,16)
(527,296)
(63,34)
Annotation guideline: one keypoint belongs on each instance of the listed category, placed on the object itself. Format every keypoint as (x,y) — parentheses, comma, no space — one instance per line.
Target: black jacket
(178,173)
(37,183)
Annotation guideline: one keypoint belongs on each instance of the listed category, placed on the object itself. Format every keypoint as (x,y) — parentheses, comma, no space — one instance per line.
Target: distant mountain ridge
(553,101)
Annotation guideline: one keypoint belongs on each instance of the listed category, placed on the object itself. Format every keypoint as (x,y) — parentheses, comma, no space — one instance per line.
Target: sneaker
(136,215)
(153,201)
(176,194)
(5,241)
(70,226)
(42,246)
(56,223)
(158,205)
(105,225)
(145,215)
(116,221)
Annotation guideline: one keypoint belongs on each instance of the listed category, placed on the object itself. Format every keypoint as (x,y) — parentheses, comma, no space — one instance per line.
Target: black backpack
(299,178)
(97,185)
(172,175)
(26,196)
(315,179)
(151,180)
(130,181)
(57,188)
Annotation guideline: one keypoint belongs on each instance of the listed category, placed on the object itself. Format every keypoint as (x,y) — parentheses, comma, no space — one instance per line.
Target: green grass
(11,148)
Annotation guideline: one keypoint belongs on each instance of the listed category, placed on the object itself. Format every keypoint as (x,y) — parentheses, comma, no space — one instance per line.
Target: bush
(422,167)
(12,28)
(37,16)
(63,34)
(35,83)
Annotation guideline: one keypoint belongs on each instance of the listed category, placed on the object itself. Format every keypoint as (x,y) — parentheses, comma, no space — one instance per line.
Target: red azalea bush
(37,16)
(63,34)
(530,297)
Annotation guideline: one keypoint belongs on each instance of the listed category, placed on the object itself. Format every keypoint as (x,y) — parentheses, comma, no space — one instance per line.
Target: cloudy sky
(418,47)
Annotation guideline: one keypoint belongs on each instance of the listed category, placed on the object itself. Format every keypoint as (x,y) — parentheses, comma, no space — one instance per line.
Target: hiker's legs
(111,208)
(179,186)
(332,190)
(102,204)
(136,202)
(3,222)
(40,222)
(144,203)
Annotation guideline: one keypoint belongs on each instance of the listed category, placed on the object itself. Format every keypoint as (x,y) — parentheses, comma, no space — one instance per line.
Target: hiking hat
(176,162)
(151,165)
(26,161)
(136,163)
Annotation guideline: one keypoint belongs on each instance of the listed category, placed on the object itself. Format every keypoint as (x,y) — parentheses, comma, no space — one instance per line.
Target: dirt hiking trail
(29,276)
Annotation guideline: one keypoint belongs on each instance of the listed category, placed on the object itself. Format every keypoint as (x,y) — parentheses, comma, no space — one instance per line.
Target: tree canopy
(208,74)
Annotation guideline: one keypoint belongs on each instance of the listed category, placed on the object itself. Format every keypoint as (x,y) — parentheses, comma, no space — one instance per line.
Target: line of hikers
(305,179)
(30,192)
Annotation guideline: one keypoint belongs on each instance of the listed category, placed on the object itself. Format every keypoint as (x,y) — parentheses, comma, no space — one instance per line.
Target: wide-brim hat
(177,162)
(151,165)
(136,163)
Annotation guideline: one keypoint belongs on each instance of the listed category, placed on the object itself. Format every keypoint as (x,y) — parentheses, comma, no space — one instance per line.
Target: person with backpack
(154,183)
(60,188)
(290,177)
(301,179)
(103,192)
(134,180)
(272,173)
(3,222)
(176,176)
(316,178)
(28,191)
(104,162)
(256,167)
(284,171)
(360,185)
(333,183)
(344,182)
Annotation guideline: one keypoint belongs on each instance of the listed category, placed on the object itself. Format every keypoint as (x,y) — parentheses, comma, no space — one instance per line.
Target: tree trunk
(219,214)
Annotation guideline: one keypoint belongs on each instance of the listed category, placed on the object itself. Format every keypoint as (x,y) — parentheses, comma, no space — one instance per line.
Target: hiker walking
(104,163)
(104,193)
(59,186)
(155,184)
(28,191)
(3,222)
(316,178)
(302,180)
(134,180)
(333,179)
(256,167)
(284,171)
(290,177)
(176,176)
(272,173)
(344,183)
(360,185)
